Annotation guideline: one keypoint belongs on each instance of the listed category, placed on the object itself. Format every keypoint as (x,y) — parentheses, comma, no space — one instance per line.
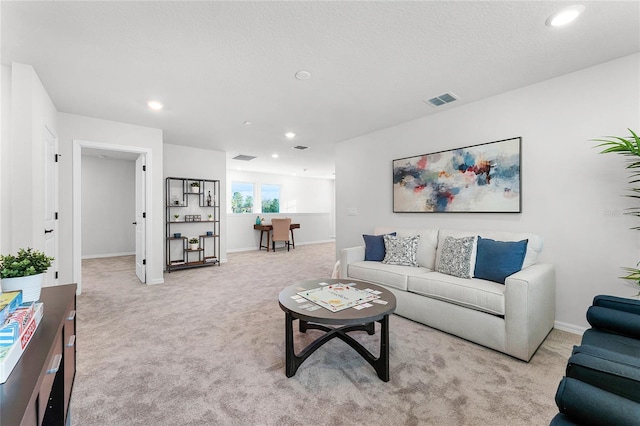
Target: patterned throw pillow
(401,250)
(458,257)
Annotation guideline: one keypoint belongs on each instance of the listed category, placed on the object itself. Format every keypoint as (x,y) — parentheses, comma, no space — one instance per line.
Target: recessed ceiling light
(274,155)
(155,105)
(247,123)
(303,75)
(565,16)
(290,135)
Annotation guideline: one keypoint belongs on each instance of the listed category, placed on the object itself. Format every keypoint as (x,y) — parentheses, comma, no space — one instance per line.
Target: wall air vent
(442,99)
(300,147)
(243,157)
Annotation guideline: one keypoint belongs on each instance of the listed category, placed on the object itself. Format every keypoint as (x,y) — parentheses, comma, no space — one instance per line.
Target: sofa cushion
(374,247)
(400,250)
(474,293)
(395,276)
(458,257)
(534,244)
(496,260)
(427,245)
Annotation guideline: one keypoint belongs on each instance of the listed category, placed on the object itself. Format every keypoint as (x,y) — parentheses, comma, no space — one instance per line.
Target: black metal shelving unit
(199,209)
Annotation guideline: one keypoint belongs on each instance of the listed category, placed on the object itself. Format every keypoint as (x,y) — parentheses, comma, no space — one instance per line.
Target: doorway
(136,155)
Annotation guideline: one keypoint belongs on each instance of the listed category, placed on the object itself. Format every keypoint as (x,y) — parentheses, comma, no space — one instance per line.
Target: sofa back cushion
(534,244)
(427,245)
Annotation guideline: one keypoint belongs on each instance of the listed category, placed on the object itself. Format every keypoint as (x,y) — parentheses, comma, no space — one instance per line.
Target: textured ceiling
(216,65)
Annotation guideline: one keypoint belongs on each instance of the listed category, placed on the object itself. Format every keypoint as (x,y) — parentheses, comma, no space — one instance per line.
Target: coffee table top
(346,316)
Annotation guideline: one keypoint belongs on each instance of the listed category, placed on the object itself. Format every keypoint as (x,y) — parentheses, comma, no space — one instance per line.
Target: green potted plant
(193,243)
(195,187)
(24,271)
(630,148)
(210,216)
(176,216)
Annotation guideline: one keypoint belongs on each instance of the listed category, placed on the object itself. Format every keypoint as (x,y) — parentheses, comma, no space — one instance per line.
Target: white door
(51,204)
(140,222)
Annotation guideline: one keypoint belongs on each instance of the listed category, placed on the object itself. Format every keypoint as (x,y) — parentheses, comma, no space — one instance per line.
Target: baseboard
(570,328)
(253,248)
(98,256)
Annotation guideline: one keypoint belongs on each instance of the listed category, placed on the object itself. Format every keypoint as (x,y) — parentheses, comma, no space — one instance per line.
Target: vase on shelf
(193,246)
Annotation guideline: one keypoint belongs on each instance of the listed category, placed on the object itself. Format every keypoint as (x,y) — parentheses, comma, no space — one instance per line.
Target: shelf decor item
(195,187)
(175,217)
(210,217)
(193,243)
(24,271)
(481,178)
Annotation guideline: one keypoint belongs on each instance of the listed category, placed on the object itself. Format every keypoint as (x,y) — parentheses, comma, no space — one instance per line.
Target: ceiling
(216,65)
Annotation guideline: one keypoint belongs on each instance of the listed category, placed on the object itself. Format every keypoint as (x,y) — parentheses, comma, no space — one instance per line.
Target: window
(242,198)
(270,195)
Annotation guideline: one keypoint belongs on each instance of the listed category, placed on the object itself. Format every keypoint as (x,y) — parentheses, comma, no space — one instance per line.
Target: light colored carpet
(207,348)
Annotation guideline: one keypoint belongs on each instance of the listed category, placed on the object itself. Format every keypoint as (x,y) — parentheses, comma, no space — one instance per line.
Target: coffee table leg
(382,363)
(290,357)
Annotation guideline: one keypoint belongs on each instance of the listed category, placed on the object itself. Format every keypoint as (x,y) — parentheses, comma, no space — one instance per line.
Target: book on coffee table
(336,297)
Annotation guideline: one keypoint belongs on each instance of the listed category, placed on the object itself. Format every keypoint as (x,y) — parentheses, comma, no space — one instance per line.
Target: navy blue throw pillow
(496,260)
(374,247)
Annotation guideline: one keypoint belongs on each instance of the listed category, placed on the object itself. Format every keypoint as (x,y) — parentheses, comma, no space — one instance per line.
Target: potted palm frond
(630,148)
(24,271)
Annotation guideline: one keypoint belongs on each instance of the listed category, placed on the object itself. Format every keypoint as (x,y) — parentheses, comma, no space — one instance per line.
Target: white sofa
(514,317)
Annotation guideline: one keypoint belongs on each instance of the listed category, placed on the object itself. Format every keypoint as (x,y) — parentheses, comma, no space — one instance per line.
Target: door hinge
(55,215)
(144,261)
(144,215)
(56,275)
(57,157)
(144,168)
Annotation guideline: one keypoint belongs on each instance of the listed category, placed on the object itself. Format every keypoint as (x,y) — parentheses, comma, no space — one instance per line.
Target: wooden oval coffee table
(349,319)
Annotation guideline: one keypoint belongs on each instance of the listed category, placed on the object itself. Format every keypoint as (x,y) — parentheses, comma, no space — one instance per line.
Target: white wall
(180,161)
(108,207)
(27,110)
(307,201)
(75,127)
(572,195)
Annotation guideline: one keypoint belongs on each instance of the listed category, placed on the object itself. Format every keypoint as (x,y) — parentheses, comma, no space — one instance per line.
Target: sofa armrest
(530,308)
(615,321)
(618,303)
(350,255)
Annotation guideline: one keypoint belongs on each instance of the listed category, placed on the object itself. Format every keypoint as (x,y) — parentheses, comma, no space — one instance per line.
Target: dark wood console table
(39,388)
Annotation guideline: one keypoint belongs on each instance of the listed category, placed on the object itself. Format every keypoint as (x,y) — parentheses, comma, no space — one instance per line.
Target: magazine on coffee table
(336,297)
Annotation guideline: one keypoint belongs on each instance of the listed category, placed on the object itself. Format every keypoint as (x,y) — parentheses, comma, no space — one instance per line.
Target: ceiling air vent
(244,157)
(442,99)
(300,147)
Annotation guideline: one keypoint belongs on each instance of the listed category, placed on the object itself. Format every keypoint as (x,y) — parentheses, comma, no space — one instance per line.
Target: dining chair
(280,232)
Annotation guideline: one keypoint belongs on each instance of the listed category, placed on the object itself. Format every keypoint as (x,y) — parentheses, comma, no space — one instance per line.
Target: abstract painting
(480,178)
